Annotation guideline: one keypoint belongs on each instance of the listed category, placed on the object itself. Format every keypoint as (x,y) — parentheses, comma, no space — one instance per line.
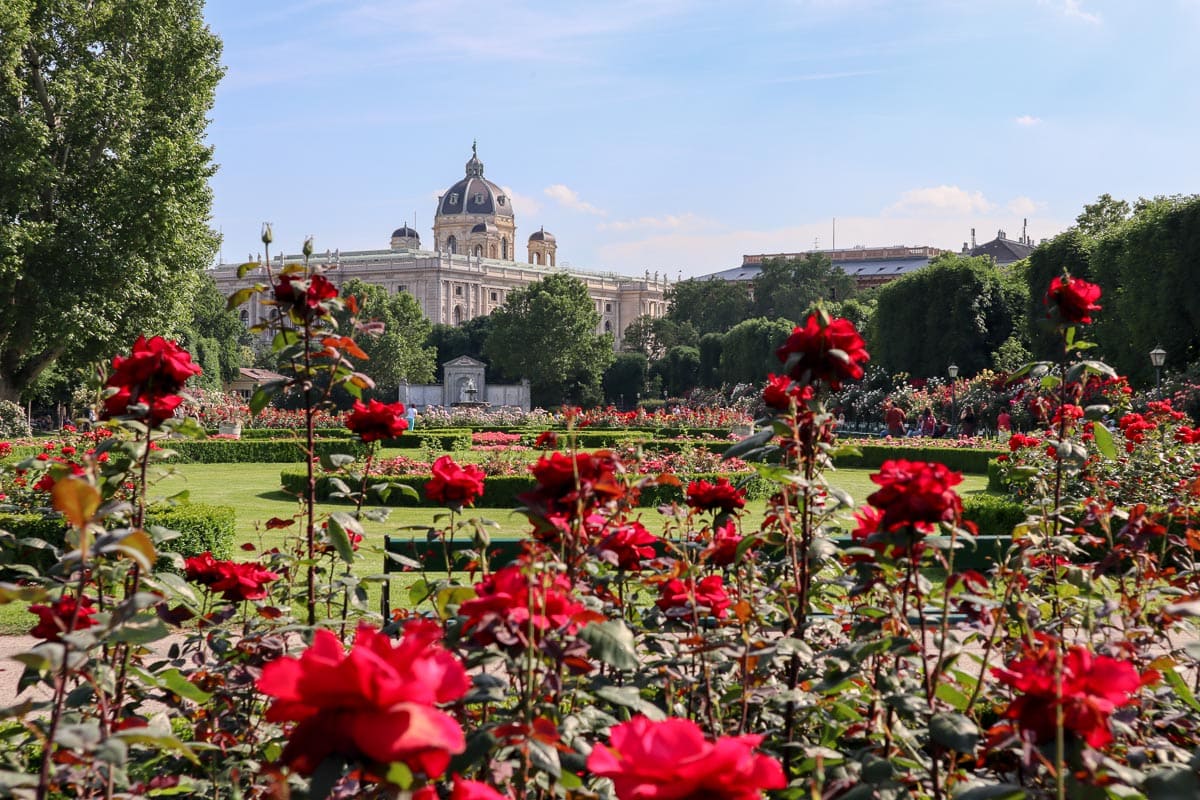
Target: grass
(253,491)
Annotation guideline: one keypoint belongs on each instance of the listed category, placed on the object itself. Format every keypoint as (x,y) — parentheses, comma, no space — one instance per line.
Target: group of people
(926,424)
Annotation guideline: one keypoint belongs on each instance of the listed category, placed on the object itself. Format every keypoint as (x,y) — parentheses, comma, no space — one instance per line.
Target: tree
(546,332)
(625,380)
(214,335)
(655,336)
(399,353)
(104,196)
(787,287)
(710,359)
(468,339)
(710,306)
(679,370)
(956,310)
(748,349)
(1100,216)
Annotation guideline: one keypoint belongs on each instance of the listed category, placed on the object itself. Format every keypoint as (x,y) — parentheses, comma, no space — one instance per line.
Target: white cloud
(1028,120)
(566,196)
(523,203)
(1074,9)
(1024,206)
(940,200)
(667,222)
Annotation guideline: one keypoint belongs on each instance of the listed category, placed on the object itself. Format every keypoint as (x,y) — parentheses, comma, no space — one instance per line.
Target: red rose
(242,581)
(509,604)
(1019,440)
(677,598)
(671,760)
(780,391)
(55,619)
(723,550)
(824,350)
(1186,435)
(453,485)
(722,495)
(1092,687)
(377,420)
(1074,298)
(564,481)
(916,494)
(375,703)
(474,790)
(203,569)
(150,376)
(631,544)
(304,296)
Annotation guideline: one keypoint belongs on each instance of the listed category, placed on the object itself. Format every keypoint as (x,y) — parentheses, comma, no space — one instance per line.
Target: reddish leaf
(274,523)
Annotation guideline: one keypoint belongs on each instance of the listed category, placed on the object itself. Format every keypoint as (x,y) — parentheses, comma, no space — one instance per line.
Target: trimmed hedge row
(262,451)
(500,491)
(956,458)
(994,515)
(202,527)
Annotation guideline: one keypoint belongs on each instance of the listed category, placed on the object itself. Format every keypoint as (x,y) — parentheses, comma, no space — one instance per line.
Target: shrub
(263,451)
(202,527)
(995,515)
(957,458)
(13,423)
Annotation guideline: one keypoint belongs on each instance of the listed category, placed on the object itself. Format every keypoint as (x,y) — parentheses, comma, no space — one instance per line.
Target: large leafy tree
(957,309)
(399,353)
(214,334)
(546,332)
(787,286)
(748,350)
(710,306)
(104,195)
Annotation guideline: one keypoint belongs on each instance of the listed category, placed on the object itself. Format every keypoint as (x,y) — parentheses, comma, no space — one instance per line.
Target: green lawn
(253,491)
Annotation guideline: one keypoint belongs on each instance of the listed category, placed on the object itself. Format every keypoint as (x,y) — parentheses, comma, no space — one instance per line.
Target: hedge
(994,515)
(268,451)
(956,458)
(202,527)
(500,491)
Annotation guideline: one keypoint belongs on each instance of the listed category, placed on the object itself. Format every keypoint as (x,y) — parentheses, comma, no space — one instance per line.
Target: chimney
(972,238)
(1025,231)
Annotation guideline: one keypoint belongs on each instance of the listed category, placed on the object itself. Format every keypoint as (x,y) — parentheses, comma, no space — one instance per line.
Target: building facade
(869,266)
(472,267)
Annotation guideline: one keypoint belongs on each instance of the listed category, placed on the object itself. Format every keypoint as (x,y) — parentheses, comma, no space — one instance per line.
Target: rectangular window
(401,288)
(458,291)
(495,297)
(608,307)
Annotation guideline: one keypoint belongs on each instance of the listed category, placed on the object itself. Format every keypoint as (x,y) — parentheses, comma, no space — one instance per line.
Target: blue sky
(675,136)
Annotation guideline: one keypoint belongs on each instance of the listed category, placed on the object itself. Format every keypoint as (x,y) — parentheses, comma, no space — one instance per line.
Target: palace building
(471,266)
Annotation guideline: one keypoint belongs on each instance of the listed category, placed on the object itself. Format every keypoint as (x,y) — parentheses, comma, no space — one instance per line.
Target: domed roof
(541,236)
(405,232)
(474,194)
(485,227)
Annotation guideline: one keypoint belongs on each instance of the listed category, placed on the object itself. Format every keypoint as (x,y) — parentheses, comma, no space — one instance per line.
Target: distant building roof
(870,272)
(1003,250)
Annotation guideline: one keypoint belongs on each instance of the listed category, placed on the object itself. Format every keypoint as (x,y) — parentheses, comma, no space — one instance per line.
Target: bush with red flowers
(511,606)
(235,580)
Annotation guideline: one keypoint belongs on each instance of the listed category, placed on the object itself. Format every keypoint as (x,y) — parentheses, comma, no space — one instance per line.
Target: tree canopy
(399,353)
(104,196)
(748,350)
(709,306)
(787,286)
(546,332)
(956,310)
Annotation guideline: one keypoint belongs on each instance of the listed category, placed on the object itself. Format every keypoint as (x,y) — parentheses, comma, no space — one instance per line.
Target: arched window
(491,251)
(537,258)
(245,317)
(458,315)
(504,246)
(608,326)
(452,244)
(478,249)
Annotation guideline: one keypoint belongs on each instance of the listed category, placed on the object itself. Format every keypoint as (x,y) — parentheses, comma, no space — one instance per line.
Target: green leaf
(612,643)
(332,461)
(1182,690)
(1171,783)
(630,697)
(239,297)
(451,595)
(751,442)
(954,732)
(341,525)
(399,774)
(1104,441)
(244,268)
(260,399)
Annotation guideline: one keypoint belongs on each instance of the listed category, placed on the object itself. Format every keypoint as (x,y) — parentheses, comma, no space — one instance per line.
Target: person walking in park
(967,421)
(895,420)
